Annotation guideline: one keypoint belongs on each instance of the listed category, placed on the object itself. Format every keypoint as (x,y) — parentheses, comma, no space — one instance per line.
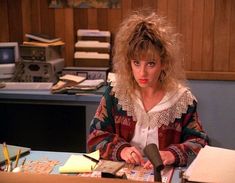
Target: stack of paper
(212,164)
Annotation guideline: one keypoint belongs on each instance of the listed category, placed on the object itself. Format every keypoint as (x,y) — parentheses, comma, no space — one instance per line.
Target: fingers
(136,157)
(167,157)
(148,165)
(132,155)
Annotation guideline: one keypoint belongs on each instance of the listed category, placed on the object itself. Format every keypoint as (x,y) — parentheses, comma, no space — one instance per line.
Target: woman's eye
(136,62)
(151,64)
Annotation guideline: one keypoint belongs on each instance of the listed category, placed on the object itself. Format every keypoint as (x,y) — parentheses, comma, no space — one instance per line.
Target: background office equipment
(9,55)
(38,52)
(40,62)
(37,71)
(92,48)
(88,72)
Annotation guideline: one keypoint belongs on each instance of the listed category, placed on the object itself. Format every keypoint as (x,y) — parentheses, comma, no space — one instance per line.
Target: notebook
(12,149)
(79,163)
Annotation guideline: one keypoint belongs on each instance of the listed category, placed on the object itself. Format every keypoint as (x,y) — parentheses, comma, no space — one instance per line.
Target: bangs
(143,49)
(144,43)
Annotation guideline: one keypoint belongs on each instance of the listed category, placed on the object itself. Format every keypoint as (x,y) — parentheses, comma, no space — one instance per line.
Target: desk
(62,157)
(45,121)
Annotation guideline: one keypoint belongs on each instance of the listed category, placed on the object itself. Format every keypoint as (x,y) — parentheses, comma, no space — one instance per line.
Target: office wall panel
(222,35)
(208,35)
(4,35)
(15,20)
(207,28)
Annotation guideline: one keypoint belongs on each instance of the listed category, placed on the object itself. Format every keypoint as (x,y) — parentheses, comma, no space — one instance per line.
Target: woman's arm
(103,135)
(193,137)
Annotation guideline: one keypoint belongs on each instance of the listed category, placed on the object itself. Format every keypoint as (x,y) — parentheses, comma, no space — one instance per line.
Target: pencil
(90,158)
(6,154)
(17,157)
(23,162)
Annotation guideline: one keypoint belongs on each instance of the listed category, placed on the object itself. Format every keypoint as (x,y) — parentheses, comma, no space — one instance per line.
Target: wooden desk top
(54,176)
(44,178)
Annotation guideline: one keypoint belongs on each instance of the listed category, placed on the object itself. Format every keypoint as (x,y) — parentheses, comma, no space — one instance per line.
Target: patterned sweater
(179,128)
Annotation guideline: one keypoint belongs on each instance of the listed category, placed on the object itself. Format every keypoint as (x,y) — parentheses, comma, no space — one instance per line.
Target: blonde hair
(147,33)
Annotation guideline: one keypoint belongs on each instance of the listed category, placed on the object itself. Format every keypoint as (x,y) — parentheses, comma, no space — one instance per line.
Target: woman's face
(147,71)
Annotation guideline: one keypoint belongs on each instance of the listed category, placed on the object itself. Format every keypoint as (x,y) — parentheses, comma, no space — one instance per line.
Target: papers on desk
(80,163)
(27,86)
(74,84)
(89,84)
(212,164)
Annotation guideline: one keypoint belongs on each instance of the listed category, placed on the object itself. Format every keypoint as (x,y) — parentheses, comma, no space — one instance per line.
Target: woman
(149,102)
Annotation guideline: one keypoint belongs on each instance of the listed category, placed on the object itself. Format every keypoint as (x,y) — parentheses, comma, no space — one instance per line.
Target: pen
(17,157)
(90,158)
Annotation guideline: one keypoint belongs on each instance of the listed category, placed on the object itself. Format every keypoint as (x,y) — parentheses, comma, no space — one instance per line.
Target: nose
(142,70)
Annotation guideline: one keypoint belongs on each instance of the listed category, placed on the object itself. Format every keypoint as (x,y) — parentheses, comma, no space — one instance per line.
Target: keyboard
(27,86)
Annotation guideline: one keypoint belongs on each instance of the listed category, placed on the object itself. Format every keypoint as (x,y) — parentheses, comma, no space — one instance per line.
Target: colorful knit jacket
(113,127)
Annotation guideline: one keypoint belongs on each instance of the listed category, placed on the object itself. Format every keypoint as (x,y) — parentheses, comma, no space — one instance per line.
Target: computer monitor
(9,54)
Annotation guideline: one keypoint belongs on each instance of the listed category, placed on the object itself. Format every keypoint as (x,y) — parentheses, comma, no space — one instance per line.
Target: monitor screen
(7,55)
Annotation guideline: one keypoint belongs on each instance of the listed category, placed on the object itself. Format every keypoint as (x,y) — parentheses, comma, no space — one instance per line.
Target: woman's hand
(132,155)
(167,159)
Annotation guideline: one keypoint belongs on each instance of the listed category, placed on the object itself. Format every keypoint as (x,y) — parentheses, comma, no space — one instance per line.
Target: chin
(143,85)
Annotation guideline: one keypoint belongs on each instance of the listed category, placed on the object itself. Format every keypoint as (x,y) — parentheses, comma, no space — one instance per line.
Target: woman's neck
(151,97)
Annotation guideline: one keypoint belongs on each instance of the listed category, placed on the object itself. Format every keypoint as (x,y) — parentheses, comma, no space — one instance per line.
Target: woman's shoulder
(186,92)
(180,94)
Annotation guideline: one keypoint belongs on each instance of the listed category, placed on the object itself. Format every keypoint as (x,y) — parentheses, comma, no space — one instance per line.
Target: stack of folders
(92,48)
(212,164)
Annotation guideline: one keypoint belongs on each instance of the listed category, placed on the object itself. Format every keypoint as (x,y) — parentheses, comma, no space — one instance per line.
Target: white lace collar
(171,107)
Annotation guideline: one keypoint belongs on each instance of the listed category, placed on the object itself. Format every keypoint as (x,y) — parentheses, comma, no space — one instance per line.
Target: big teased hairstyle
(147,34)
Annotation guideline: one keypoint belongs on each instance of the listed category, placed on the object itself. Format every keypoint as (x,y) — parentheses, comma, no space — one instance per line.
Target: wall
(207,27)
(216,101)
